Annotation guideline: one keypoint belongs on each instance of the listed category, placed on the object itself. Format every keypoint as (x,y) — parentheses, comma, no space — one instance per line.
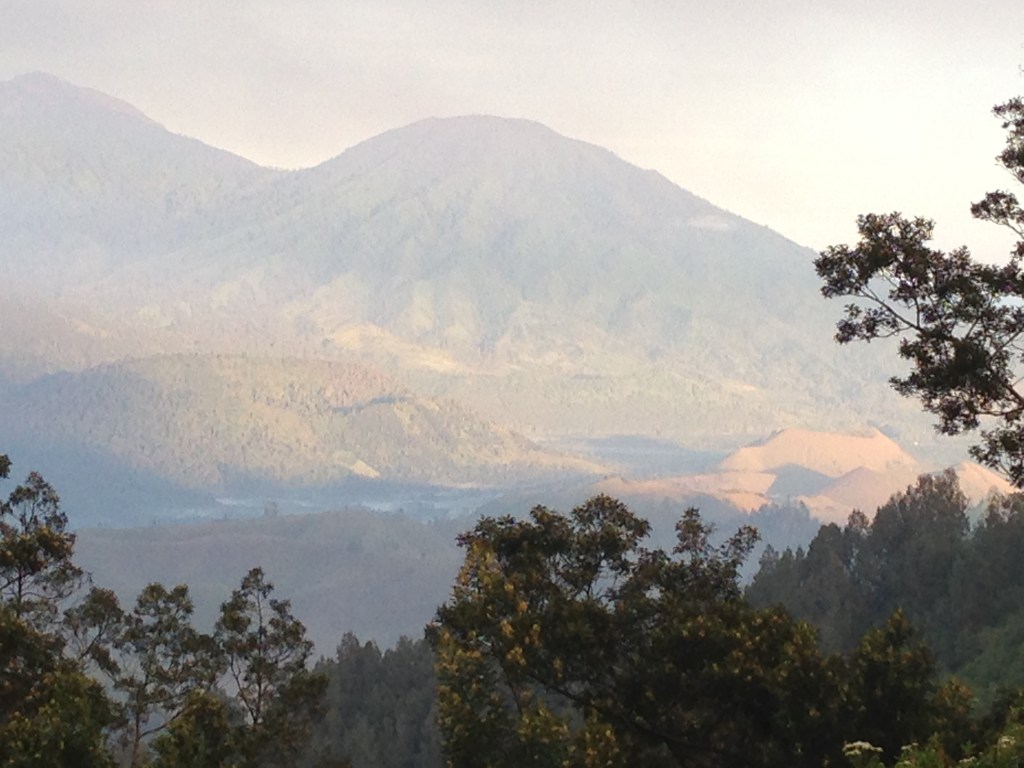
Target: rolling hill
(228,423)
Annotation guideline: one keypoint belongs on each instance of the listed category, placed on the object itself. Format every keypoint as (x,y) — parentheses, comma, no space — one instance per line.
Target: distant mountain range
(172,310)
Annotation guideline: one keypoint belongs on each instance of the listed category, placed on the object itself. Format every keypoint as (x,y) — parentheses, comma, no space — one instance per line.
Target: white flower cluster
(858,748)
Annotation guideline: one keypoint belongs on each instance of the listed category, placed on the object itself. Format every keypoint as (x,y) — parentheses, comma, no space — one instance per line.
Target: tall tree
(266,654)
(379,708)
(36,569)
(960,322)
(51,713)
(160,662)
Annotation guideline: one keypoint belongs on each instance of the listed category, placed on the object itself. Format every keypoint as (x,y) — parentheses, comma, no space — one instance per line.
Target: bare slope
(829,454)
(831,473)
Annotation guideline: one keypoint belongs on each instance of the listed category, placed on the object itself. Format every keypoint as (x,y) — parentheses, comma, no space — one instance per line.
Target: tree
(379,708)
(51,713)
(892,698)
(202,736)
(266,654)
(960,322)
(163,673)
(567,642)
(160,664)
(61,720)
(820,586)
(36,570)
(915,556)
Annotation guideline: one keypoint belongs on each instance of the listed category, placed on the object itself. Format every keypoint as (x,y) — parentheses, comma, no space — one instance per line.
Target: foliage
(379,708)
(959,321)
(50,712)
(909,557)
(204,735)
(962,586)
(266,654)
(36,570)
(1005,750)
(892,695)
(61,720)
(163,673)
(566,642)
(161,662)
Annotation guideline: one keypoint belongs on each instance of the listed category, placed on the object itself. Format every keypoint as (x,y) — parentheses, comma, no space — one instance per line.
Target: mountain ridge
(539,281)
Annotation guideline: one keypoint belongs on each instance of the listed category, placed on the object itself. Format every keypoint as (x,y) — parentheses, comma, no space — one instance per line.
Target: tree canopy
(568,642)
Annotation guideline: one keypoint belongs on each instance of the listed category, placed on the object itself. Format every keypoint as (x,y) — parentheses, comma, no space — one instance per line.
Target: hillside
(380,576)
(541,281)
(228,423)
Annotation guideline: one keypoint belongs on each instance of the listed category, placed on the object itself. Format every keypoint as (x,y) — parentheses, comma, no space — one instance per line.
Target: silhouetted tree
(960,322)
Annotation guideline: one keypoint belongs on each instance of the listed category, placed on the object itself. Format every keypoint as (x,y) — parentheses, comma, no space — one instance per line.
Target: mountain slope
(501,242)
(87,182)
(541,281)
(381,576)
(223,422)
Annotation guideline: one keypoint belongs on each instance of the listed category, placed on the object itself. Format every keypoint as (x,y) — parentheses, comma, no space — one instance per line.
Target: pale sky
(797,114)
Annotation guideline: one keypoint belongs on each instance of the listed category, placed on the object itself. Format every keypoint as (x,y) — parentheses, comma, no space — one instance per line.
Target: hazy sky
(798,114)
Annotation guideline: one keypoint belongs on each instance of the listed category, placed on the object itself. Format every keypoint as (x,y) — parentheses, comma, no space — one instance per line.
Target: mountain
(827,454)
(87,183)
(538,281)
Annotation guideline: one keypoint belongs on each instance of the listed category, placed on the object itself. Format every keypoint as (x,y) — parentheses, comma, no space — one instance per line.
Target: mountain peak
(41,89)
(476,139)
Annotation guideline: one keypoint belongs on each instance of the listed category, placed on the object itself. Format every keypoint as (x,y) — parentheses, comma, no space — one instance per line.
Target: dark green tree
(60,719)
(914,556)
(266,654)
(567,642)
(379,707)
(51,713)
(959,322)
(203,735)
(907,561)
(821,586)
(160,663)
(36,569)
(892,697)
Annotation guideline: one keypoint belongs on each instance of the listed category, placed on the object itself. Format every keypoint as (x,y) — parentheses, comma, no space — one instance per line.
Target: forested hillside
(958,580)
(232,422)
